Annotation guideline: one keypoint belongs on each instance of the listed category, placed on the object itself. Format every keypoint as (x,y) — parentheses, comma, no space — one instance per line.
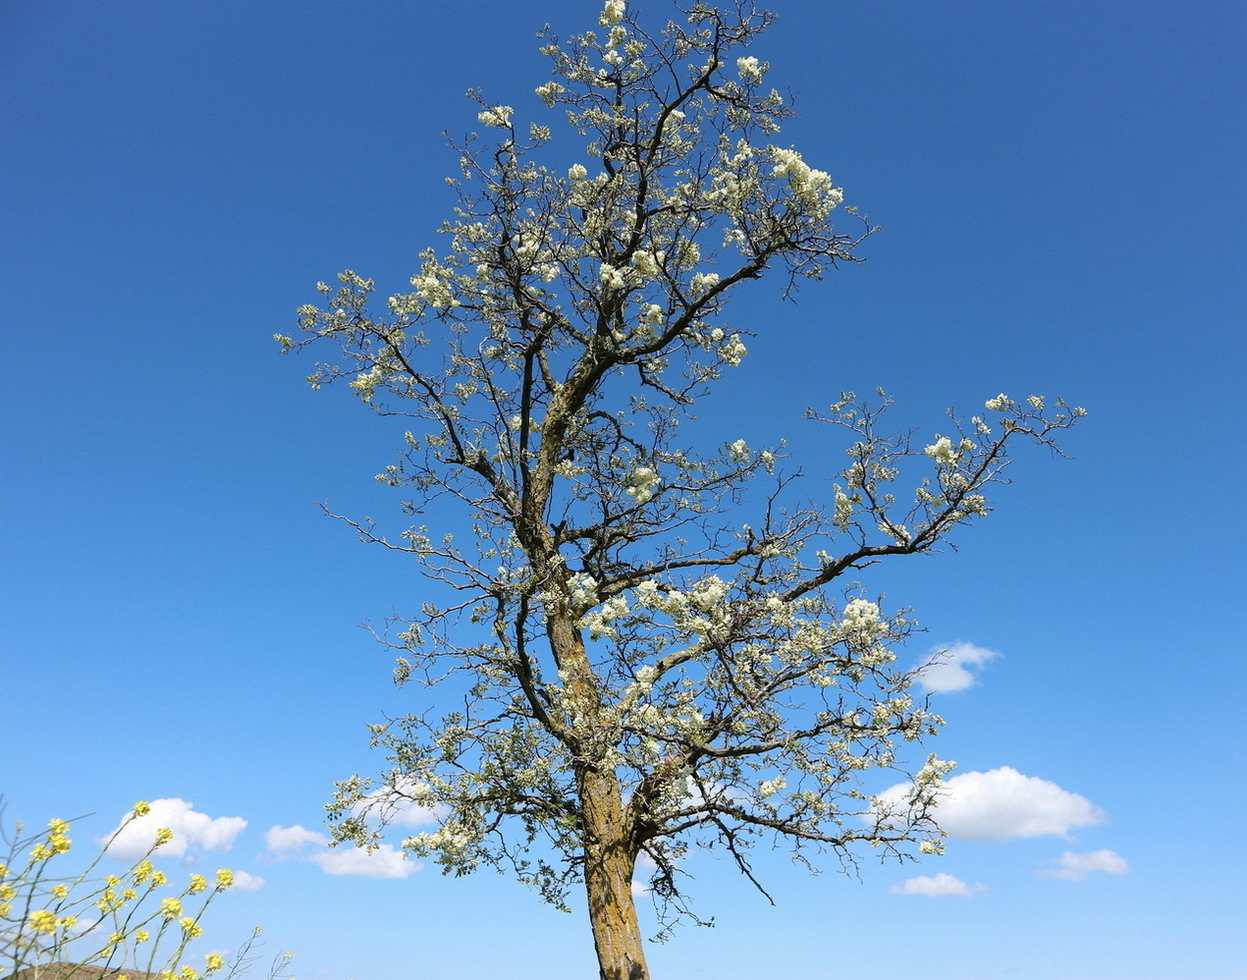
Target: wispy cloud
(947,668)
(1003,804)
(191,829)
(300,844)
(941,886)
(1076,867)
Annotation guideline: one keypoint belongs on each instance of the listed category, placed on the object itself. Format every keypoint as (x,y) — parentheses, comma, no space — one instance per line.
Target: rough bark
(609,851)
(609,861)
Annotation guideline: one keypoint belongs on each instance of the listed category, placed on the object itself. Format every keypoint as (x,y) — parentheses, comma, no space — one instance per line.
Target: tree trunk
(609,860)
(608,849)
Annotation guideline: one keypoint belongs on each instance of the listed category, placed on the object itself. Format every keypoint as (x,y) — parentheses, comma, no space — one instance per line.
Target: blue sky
(1061,191)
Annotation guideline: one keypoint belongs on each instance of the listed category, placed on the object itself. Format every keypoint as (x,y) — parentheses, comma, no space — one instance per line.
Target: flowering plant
(660,646)
(136,921)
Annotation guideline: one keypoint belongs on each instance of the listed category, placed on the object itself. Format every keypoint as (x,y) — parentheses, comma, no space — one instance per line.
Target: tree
(658,646)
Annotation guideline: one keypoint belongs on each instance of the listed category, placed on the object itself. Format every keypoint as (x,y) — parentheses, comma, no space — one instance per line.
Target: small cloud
(283,842)
(639,889)
(945,669)
(190,829)
(1002,804)
(941,886)
(382,862)
(245,882)
(1076,867)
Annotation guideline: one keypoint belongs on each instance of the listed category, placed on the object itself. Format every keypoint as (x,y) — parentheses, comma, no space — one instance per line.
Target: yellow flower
(108,901)
(141,935)
(112,881)
(171,908)
(189,926)
(142,808)
(60,891)
(57,841)
(163,836)
(159,878)
(224,878)
(142,872)
(215,962)
(40,853)
(68,922)
(4,870)
(198,884)
(188,973)
(42,921)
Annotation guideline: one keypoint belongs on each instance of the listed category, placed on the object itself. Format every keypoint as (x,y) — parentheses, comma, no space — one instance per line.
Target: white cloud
(282,841)
(397,804)
(245,882)
(941,886)
(383,862)
(1002,804)
(1076,867)
(945,669)
(190,829)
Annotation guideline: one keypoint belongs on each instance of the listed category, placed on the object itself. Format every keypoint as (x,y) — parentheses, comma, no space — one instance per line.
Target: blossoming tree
(659,647)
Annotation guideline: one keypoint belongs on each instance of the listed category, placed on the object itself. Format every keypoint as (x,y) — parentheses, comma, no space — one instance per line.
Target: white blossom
(613,277)
(703,282)
(708,593)
(772,786)
(434,291)
(499,115)
(366,382)
(751,70)
(648,264)
(550,91)
(942,452)
(859,613)
(734,351)
(612,13)
(812,186)
(642,484)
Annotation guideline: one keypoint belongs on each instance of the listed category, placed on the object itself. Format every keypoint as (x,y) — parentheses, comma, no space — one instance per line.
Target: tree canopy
(661,645)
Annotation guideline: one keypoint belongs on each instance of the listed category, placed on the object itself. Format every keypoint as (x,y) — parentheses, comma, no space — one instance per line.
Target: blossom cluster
(643,483)
(499,115)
